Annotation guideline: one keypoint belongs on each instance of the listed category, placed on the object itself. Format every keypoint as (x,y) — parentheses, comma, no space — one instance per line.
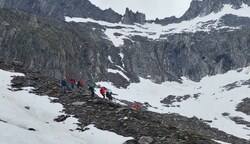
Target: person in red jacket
(72,83)
(80,86)
(103,91)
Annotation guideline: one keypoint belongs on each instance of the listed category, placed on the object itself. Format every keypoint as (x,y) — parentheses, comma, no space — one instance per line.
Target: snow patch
(122,57)
(221,142)
(110,59)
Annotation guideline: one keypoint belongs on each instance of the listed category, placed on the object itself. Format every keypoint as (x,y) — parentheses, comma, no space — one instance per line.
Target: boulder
(145,140)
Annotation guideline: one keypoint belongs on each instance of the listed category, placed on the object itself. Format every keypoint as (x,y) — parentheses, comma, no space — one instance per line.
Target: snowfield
(15,120)
(208,100)
(157,32)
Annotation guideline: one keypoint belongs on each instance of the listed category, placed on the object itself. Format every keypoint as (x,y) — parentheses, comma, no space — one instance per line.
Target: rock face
(202,8)
(130,17)
(205,7)
(75,50)
(80,50)
(167,20)
(54,47)
(61,8)
(191,55)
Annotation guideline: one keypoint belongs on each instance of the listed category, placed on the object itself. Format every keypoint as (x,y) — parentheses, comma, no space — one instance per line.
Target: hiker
(92,89)
(103,91)
(64,85)
(135,106)
(80,86)
(109,94)
(72,83)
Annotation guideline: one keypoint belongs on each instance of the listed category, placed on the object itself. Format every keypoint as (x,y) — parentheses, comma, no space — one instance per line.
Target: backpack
(109,95)
(102,90)
(91,87)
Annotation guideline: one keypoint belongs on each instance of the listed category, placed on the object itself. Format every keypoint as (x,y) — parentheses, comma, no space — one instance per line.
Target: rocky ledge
(146,127)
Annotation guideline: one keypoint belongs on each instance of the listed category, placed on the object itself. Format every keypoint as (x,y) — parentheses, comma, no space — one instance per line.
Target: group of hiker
(91,87)
(107,92)
(71,86)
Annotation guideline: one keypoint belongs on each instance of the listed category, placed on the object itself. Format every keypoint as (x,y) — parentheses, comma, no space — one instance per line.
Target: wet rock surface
(161,128)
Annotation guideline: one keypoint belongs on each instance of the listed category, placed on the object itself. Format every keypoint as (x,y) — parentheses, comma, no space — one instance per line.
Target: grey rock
(190,55)
(61,118)
(98,101)
(3,121)
(145,140)
(31,129)
(19,63)
(27,107)
(244,106)
(61,8)
(235,21)
(131,142)
(131,17)
(78,103)
(205,7)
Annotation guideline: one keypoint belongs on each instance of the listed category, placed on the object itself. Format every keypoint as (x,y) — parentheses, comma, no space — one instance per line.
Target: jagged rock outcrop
(166,21)
(205,7)
(202,8)
(61,8)
(130,17)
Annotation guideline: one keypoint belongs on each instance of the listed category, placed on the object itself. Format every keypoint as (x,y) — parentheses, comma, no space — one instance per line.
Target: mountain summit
(206,7)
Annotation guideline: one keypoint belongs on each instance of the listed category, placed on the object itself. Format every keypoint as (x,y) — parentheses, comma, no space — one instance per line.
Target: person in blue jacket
(64,85)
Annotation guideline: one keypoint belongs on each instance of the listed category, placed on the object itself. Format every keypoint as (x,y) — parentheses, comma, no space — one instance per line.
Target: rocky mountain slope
(161,128)
(54,47)
(33,39)
(211,38)
(60,8)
